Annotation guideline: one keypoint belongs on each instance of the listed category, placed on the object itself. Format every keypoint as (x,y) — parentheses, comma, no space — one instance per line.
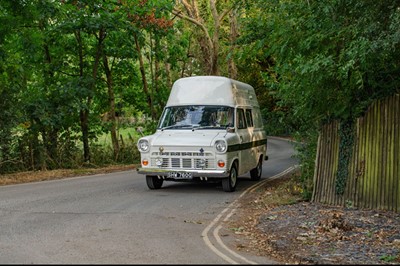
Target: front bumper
(195,173)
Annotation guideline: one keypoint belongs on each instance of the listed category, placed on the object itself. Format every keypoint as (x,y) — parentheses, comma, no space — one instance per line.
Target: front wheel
(229,184)
(153,182)
(255,174)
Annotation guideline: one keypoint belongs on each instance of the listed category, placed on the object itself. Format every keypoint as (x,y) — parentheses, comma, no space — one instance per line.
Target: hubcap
(233,177)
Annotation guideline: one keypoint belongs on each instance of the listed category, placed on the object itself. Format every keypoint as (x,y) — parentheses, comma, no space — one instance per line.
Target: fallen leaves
(311,233)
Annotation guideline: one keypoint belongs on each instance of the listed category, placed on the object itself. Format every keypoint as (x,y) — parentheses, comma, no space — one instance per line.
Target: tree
(209,17)
(331,55)
(330,58)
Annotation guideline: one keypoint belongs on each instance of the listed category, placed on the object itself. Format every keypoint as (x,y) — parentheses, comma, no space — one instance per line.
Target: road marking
(204,234)
(216,224)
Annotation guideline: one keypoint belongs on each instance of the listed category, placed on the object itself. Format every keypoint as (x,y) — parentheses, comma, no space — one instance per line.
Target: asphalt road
(115,219)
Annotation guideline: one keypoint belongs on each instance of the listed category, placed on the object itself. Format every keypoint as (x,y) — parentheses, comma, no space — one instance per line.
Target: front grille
(184,160)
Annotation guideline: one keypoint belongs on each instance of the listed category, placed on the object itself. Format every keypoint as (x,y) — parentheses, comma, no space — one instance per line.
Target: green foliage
(277,122)
(346,136)
(48,75)
(147,126)
(389,258)
(324,60)
(329,54)
(103,155)
(306,148)
(309,61)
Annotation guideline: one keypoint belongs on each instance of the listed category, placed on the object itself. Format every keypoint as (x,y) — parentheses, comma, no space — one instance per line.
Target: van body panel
(193,143)
(211,90)
(184,137)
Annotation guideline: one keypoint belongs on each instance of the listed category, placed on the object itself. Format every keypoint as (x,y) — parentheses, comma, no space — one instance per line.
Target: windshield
(198,116)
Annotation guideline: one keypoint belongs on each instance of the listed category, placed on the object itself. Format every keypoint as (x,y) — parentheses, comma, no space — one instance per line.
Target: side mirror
(230,129)
(140,130)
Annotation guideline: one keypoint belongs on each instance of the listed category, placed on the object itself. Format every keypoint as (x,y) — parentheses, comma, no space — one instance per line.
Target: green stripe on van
(247,145)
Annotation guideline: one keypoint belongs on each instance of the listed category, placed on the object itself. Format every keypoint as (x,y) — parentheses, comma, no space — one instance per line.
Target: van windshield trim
(197,117)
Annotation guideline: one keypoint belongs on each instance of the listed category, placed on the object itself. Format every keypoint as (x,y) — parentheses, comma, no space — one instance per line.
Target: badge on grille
(161,149)
(201,151)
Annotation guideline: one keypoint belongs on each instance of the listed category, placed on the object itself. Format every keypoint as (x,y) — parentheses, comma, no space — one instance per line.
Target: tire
(255,174)
(229,184)
(153,182)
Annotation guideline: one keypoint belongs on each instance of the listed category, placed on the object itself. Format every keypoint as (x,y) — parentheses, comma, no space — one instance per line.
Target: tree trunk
(51,140)
(215,39)
(84,112)
(233,37)
(83,115)
(84,119)
(160,102)
(111,101)
(144,79)
(209,45)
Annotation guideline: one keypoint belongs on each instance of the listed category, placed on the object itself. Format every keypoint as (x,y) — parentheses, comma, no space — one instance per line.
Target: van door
(253,156)
(245,142)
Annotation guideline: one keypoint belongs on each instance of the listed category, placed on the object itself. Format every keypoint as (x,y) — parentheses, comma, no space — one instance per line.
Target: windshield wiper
(208,127)
(176,126)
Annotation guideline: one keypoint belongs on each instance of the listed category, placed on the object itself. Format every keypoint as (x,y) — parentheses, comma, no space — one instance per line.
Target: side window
(249,118)
(241,122)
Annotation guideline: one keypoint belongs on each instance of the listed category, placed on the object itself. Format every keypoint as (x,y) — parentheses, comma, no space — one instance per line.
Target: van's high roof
(211,90)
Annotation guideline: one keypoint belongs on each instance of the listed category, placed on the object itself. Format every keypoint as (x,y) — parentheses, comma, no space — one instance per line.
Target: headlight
(220,146)
(143,145)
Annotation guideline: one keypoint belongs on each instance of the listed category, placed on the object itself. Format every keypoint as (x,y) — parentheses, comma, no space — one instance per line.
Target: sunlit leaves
(328,54)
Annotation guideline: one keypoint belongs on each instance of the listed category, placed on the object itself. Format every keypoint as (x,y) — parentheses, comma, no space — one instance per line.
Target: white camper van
(210,130)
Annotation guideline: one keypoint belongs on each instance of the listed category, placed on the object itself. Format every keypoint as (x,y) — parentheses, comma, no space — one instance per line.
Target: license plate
(180,175)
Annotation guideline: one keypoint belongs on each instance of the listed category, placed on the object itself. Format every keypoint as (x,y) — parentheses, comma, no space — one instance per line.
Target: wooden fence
(373,181)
